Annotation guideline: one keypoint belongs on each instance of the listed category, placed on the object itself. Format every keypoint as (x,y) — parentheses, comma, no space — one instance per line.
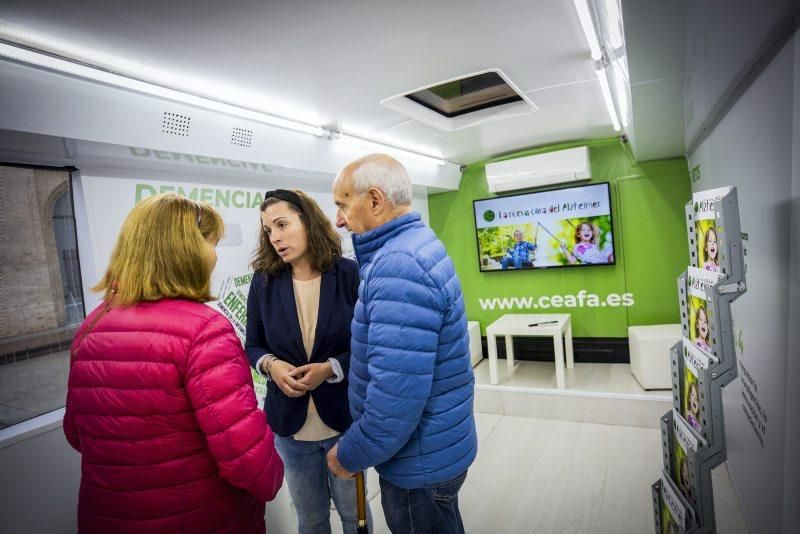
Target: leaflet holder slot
(700,494)
(657,492)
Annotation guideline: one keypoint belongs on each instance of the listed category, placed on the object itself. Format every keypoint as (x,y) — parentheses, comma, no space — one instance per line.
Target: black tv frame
(611,214)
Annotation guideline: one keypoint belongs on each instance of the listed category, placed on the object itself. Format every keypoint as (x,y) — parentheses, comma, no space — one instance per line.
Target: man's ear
(377,199)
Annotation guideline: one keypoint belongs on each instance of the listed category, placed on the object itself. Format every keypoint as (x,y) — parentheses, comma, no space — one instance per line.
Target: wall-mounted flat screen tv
(568,227)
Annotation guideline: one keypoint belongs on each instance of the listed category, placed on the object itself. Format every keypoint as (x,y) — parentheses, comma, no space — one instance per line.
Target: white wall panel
(752,149)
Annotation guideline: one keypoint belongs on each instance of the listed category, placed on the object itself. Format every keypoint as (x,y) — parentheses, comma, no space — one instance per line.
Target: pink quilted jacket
(160,405)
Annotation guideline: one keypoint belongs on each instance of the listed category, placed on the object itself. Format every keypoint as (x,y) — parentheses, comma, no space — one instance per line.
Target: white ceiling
(331,63)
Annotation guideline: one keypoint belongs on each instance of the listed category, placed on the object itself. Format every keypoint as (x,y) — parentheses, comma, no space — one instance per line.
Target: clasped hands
(297,381)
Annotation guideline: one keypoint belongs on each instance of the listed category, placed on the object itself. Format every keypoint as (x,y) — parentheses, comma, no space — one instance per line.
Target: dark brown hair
(324,244)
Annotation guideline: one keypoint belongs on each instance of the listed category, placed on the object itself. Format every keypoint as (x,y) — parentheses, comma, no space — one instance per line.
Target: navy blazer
(273,327)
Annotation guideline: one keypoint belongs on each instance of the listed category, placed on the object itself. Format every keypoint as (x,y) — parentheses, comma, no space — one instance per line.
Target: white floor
(543,476)
(545,465)
(585,377)
(595,393)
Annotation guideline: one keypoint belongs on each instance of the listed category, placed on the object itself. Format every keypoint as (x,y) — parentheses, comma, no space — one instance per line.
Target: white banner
(109,200)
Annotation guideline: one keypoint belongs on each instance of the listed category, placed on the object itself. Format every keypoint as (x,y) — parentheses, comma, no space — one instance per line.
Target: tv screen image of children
(700,324)
(582,241)
(680,469)
(668,524)
(507,247)
(511,246)
(707,245)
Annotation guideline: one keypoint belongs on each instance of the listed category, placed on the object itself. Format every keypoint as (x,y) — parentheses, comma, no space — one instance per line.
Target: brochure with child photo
(699,318)
(684,451)
(668,524)
(694,360)
(698,279)
(708,248)
(704,201)
(673,512)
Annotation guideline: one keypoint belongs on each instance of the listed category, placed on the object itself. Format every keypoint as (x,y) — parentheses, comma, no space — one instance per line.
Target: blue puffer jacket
(411,383)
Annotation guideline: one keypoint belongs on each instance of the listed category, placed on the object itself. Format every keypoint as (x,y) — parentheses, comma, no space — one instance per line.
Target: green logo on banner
(695,173)
(488,215)
(219,198)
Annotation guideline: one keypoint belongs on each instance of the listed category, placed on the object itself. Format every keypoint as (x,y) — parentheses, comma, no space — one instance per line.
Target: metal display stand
(720,372)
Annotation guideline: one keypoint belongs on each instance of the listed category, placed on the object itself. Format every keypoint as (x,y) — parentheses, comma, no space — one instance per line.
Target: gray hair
(385,173)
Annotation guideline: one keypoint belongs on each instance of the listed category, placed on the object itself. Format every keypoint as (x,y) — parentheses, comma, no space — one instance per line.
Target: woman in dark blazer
(299,312)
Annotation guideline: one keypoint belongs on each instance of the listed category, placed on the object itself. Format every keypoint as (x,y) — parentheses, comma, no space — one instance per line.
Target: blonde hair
(595,232)
(161,252)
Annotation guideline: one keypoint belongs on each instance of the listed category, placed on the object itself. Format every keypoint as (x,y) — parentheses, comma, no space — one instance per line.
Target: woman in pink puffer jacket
(160,401)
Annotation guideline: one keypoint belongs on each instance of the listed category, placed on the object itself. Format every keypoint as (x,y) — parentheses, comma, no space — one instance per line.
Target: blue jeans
(518,263)
(431,510)
(312,485)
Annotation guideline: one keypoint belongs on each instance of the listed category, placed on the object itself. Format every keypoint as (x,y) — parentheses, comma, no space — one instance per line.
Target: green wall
(649,235)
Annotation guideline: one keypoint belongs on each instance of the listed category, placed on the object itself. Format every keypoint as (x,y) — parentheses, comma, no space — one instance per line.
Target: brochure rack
(710,215)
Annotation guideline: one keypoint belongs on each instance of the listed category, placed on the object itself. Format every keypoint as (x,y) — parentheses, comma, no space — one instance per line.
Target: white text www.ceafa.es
(581,300)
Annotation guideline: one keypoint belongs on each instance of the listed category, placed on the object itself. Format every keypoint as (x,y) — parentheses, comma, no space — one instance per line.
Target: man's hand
(280,372)
(334,465)
(313,374)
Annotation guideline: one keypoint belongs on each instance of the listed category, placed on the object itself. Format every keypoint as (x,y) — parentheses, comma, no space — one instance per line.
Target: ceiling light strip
(117,80)
(585,16)
(601,77)
(382,147)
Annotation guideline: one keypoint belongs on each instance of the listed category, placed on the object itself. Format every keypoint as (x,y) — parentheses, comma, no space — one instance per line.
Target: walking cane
(361,504)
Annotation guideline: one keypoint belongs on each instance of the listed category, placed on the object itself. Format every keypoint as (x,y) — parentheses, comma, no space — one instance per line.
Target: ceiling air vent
(242,137)
(175,124)
(464,101)
(466,95)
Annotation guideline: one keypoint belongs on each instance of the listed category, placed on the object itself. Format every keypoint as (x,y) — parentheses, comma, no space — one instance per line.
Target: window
(41,302)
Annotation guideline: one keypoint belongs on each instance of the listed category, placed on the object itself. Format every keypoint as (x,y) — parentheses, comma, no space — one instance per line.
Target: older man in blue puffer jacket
(411,382)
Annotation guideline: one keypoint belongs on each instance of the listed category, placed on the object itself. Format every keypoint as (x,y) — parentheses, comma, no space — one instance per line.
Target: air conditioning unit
(562,166)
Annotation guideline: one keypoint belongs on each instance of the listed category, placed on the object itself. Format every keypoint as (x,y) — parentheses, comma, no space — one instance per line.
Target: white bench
(475,348)
(650,359)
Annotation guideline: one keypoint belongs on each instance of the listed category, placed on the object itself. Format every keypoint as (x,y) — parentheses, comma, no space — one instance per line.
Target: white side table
(514,324)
